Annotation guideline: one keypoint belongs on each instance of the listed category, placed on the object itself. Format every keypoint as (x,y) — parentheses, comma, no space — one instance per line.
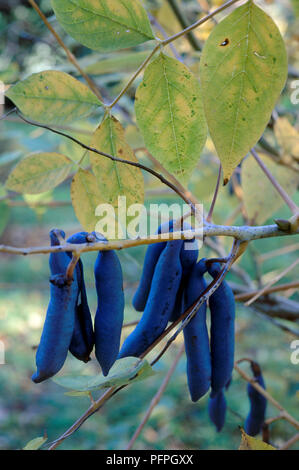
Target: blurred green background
(28,410)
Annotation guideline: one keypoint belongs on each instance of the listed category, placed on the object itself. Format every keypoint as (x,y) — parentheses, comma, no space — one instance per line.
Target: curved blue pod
(110,312)
(222,307)
(188,258)
(83,337)
(164,288)
(58,328)
(57,261)
(196,337)
(217,409)
(258,404)
(152,255)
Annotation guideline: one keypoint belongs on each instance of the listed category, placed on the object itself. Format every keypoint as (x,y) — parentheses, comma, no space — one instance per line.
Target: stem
(156,398)
(290,442)
(69,54)
(270,290)
(293,207)
(115,159)
(184,23)
(133,78)
(188,315)
(210,214)
(167,41)
(240,233)
(273,281)
(199,22)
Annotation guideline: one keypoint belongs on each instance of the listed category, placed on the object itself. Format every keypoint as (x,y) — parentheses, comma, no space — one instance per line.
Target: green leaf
(86,196)
(123,372)
(53,97)
(116,179)
(38,173)
(104,25)
(261,199)
(36,443)
(251,443)
(119,63)
(170,115)
(243,70)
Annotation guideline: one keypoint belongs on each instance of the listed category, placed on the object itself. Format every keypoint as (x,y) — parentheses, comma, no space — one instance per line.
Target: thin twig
(290,203)
(184,23)
(238,232)
(210,214)
(167,41)
(290,442)
(69,54)
(270,290)
(199,22)
(273,281)
(113,158)
(156,398)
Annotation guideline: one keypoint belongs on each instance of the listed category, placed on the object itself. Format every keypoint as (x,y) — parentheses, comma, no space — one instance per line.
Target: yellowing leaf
(287,137)
(115,179)
(251,443)
(104,25)
(86,196)
(53,97)
(170,115)
(261,199)
(38,173)
(36,443)
(243,70)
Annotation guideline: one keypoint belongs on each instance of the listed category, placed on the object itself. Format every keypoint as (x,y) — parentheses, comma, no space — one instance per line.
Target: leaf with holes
(116,179)
(53,97)
(39,172)
(243,70)
(86,196)
(170,115)
(104,25)
(261,199)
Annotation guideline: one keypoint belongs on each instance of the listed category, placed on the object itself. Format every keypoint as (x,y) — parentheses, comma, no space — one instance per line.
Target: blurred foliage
(26,409)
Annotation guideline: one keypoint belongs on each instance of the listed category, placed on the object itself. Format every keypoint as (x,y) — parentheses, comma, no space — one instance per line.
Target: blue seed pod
(217,409)
(57,261)
(196,336)
(152,255)
(110,312)
(222,306)
(83,337)
(164,288)
(188,257)
(258,404)
(58,328)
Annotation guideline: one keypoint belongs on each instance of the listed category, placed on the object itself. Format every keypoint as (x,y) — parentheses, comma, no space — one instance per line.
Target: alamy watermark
(295,94)
(136,221)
